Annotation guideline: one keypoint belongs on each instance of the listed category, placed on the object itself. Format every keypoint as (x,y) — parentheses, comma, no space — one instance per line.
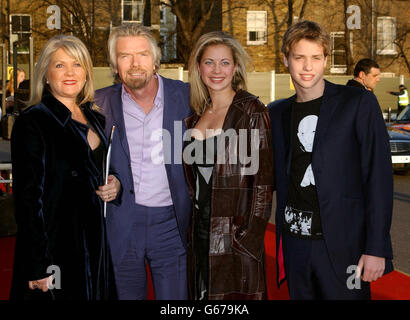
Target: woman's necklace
(216,110)
(228,97)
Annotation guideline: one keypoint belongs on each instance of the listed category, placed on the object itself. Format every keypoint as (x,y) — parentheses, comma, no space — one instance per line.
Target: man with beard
(149,225)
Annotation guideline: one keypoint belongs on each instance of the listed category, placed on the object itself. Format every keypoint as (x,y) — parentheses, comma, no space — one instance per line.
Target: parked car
(402,121)
(399,148)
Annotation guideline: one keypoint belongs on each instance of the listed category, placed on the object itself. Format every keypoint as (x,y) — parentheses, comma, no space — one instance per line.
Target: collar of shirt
(128,101)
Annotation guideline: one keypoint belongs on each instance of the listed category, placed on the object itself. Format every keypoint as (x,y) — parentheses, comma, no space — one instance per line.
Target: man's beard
(137,83)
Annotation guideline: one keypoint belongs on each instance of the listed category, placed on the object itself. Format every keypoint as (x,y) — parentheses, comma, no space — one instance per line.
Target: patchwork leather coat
(241,203)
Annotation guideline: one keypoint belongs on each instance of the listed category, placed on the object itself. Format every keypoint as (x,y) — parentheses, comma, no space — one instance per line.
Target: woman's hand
(109,191)
(43,284)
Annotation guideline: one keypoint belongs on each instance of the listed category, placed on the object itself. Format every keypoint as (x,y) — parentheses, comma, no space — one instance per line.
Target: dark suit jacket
(58,214)
(176,108)
(354,83)
(352,166)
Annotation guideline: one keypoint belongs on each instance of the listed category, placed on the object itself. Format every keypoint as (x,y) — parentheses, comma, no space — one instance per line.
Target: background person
(57,148)
(402,97)
(21,76)
(366,75)
(231,208)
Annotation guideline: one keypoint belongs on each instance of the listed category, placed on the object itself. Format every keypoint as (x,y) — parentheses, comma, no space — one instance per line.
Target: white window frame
(258,29)
(163,12)
(336,68)
(386,46)
(168,34)
(169,42)
(131,2)
(14,35)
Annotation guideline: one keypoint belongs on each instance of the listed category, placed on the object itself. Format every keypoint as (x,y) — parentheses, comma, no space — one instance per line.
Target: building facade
(91,21)
(378,29)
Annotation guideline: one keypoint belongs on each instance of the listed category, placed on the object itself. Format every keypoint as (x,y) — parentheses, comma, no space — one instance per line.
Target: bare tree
(80,17)
(346,45)
(192,17)
(283,13)
(402,44)
(370,45)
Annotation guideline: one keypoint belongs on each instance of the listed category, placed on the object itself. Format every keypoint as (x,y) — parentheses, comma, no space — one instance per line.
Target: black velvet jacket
(58,214)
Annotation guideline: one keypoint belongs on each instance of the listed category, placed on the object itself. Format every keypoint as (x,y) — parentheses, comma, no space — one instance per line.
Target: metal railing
(4,78)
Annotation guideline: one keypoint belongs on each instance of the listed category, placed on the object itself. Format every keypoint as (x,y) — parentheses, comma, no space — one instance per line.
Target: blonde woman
(21,76)
(58,146)
(231,196)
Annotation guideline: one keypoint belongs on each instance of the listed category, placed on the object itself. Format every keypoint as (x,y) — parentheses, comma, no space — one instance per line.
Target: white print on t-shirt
(306,135)
(300,221)
(308,178)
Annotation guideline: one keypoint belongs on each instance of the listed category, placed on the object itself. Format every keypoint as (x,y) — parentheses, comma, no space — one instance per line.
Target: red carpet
(6,265)
(394,286)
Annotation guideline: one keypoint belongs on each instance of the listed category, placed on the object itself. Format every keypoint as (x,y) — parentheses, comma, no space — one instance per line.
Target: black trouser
(310,274)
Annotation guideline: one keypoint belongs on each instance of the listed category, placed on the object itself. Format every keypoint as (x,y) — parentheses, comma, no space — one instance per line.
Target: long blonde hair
(198,91)
(75,48)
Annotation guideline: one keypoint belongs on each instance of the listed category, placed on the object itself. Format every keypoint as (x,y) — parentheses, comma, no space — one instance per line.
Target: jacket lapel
(287,128)
(117,113)
(327,108)
(98,124)
(62,114)
(170,115)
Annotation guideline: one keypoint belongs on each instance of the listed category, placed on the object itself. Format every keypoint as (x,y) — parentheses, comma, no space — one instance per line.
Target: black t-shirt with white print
(302,216)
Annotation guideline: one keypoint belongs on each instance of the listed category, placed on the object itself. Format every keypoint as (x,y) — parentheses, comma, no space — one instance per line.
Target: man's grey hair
(133,30)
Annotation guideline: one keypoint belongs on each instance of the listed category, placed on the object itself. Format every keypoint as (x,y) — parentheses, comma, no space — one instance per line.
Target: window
(132,10)
(338,53)
(386,35)
(169,44)
(168,34)
(20,30)
(256,24)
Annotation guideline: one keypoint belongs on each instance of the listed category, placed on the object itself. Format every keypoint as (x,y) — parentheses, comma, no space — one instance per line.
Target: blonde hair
(132,30)
(198,91)
(308,30)
(75,48)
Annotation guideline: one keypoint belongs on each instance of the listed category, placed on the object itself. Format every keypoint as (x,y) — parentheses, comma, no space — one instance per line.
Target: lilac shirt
(150,178)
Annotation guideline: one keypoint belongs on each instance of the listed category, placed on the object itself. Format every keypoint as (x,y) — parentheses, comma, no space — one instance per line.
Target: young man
(332,176)
(150,224)
(366,75)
